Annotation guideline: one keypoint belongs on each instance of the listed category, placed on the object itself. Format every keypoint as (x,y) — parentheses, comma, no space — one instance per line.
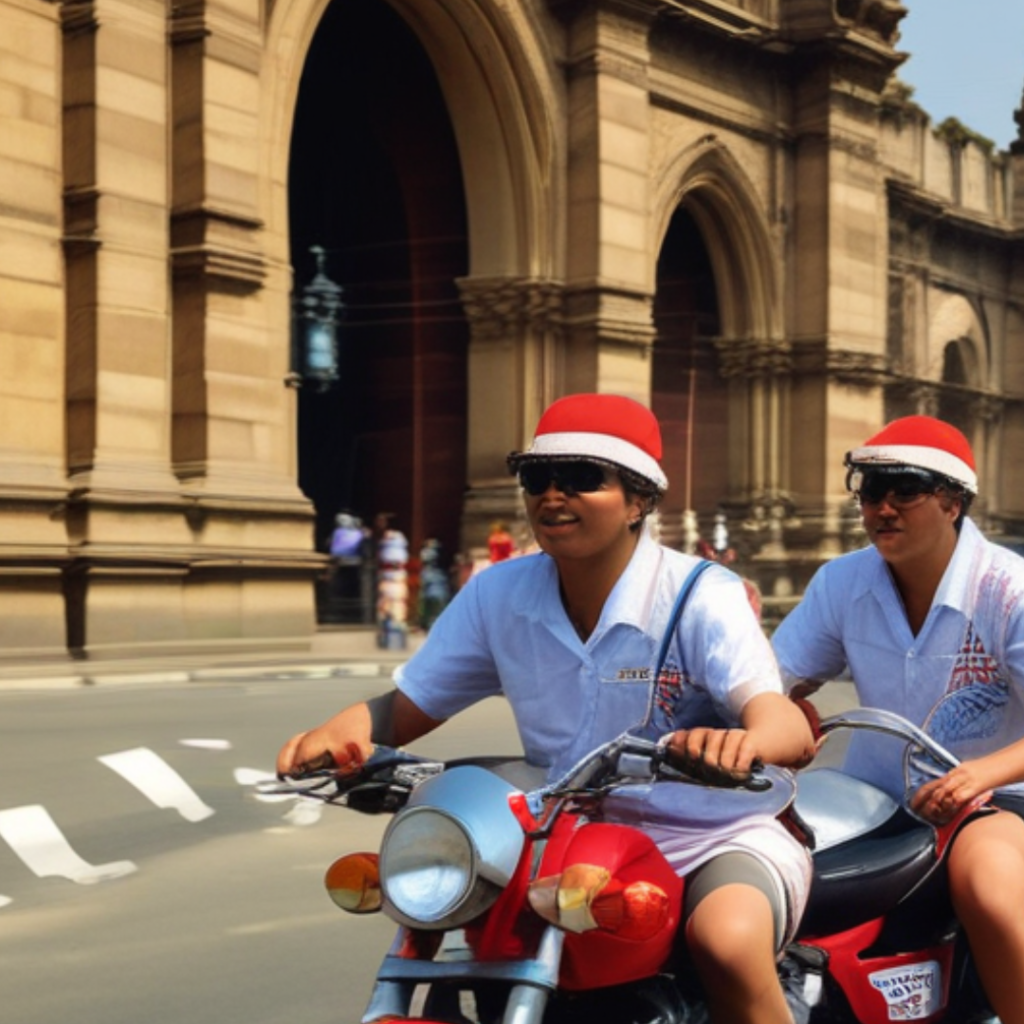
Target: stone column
(759,370)
(126,520)
(838,245)
(987,412)
(233,441)
(33,537)
(608,305)
(515,339)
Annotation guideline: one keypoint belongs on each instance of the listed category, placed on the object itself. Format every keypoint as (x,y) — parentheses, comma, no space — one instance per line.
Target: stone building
(730,209)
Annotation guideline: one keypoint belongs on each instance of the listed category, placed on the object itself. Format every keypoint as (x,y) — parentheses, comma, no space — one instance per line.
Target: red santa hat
(922,442)
(611,428)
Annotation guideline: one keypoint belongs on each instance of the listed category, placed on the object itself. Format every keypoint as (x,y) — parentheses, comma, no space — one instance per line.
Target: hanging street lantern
(318,312)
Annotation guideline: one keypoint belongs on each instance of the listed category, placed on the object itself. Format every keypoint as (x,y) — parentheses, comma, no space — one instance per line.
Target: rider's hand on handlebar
(940,800)
(346,761)
(713,755)
(344,740)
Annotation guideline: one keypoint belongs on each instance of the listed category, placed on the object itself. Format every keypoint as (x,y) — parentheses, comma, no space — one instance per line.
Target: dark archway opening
(375,180)
(687,393)
(954,405)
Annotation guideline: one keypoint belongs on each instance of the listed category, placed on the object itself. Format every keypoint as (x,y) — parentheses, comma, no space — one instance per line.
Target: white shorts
(787,861)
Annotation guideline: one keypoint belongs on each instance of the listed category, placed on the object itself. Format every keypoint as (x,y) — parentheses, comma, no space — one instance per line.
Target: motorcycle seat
(865,878)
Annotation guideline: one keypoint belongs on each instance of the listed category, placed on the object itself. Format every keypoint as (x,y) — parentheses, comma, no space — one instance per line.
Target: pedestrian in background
(500,544)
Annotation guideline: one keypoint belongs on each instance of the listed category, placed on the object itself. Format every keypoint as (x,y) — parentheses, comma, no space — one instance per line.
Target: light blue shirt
(961,677)
(507,632)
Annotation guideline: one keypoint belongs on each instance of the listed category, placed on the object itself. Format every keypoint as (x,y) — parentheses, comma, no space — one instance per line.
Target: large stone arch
(503,105)
(959,369)
(954,320)
(501,86)
(709,181)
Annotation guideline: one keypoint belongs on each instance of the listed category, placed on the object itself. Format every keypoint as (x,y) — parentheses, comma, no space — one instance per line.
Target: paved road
(140,878)
(207,909)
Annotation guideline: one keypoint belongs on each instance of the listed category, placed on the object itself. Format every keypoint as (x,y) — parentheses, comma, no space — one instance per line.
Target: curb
(109,677)
(333,654)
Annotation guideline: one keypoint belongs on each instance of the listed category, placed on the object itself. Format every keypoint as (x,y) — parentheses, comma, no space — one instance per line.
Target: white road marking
(211,744)
(34,836)
(157,780)
(5,901)
(307,810)
(253,776)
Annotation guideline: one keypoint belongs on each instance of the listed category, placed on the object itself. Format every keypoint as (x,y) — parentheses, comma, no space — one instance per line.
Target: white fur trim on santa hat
(935,459)
(600,446)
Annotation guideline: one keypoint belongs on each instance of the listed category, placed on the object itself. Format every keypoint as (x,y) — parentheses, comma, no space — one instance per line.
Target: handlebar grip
(699,771)
(319,763)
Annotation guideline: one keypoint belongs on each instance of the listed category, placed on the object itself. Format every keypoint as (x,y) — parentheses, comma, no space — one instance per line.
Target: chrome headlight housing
(448,854)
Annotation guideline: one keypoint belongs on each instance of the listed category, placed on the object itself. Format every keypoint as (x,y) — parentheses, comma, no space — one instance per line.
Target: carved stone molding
(78,17)
(81,221)
(751,358)
(920,395)
(845,366)
(502,307)
(220,35)
(611,64)
(925,397)
(216,245)
(879,18)
(848,367)
(988,408)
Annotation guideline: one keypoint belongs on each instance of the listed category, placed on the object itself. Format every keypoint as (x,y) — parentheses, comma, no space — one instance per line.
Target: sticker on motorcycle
(913,992)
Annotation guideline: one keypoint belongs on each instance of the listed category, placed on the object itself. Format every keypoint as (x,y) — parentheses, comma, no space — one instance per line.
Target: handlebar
(385,780)
(389,775)
(381,784)
(633,757)
(890,724)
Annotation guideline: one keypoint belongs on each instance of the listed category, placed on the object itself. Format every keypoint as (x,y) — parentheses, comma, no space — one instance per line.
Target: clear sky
(967,62)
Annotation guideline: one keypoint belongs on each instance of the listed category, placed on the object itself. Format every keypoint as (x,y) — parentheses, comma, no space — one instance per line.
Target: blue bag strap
(677,612)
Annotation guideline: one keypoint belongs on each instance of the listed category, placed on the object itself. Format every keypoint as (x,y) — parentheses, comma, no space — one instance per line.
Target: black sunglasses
(904,488)
(575,477)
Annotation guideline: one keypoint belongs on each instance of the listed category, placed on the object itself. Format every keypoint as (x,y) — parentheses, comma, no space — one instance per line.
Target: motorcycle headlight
(446,857)
(428,867)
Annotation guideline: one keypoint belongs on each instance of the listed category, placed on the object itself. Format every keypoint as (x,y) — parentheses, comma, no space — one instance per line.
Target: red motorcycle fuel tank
(598,957)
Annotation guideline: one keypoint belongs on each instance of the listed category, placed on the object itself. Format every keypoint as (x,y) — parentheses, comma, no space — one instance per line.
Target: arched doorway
(375,180)
(687,392)
(954,405)
(718,272)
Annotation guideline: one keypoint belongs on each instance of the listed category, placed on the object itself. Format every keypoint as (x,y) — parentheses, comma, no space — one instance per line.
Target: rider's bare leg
(986,876)
(731,938)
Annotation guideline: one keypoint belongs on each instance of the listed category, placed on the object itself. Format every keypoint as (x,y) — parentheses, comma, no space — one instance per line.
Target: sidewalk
(332,652)
(338,652)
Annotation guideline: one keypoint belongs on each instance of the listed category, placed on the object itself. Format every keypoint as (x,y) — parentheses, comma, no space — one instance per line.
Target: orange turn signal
(353,882)
(584,897)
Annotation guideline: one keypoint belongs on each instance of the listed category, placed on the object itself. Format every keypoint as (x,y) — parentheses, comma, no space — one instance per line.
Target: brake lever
(291,785)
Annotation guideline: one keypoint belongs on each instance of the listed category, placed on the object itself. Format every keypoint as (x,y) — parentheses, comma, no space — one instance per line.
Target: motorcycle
(521,904)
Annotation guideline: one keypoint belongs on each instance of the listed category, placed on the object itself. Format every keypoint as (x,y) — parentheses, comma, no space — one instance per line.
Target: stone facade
(729,209)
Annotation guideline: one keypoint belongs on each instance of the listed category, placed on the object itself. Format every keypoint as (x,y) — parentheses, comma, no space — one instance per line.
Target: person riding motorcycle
(569,636)
(929,622)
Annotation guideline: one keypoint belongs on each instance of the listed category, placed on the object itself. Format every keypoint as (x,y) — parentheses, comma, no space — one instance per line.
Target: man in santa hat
(570,635)
(929,623)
